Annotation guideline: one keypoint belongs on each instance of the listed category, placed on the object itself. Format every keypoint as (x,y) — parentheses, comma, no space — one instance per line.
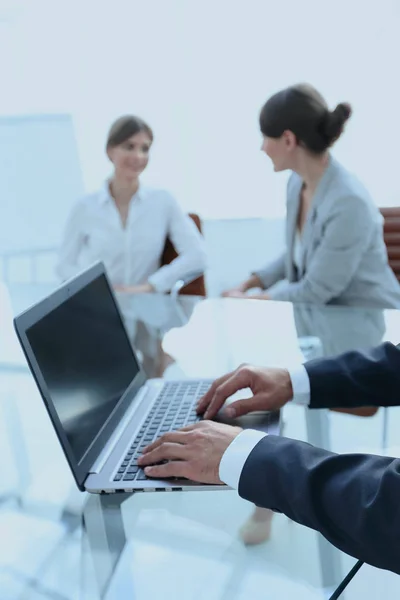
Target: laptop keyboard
(175,408)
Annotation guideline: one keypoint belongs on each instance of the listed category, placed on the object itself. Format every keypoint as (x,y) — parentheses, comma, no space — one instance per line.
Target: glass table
(175,545)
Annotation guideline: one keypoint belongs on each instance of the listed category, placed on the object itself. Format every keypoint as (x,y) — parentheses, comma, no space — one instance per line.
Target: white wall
(236,247)
(40,178)
(199,72)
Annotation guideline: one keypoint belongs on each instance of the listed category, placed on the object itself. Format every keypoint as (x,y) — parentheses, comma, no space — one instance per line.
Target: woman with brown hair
(335,252)
(125,224)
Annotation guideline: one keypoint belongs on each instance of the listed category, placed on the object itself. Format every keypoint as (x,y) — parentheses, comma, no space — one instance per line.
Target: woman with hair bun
(335,252)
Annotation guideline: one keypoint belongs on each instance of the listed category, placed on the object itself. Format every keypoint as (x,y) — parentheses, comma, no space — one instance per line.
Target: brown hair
(124,127)
(302,110)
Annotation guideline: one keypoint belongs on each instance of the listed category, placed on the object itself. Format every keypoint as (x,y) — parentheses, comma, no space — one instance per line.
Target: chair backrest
(361,411)
(391,235)
(196,287)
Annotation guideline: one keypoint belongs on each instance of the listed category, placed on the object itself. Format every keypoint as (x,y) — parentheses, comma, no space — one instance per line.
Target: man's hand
(272,388)
(194,452)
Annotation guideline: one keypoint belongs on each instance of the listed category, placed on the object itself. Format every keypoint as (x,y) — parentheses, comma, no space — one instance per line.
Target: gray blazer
(344,259)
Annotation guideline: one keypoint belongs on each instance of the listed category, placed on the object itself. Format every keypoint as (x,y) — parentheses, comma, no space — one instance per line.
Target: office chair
(193,284)
(391,236)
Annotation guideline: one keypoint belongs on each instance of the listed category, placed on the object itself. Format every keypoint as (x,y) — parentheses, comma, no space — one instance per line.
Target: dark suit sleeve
(356,379)
(352,499)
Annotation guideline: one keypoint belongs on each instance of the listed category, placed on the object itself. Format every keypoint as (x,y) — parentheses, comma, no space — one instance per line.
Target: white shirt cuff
(300,385)
(236,454)
(159,282)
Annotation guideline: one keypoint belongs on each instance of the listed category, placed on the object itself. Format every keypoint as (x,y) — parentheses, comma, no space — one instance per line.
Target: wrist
(148,287)
(255,282)
(247,285)
(286,387)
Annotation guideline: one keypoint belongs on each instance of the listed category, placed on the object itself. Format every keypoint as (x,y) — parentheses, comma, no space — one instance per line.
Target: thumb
(244,406)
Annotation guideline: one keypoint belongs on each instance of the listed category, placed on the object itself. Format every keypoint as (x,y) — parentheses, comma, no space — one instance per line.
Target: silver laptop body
(103,409)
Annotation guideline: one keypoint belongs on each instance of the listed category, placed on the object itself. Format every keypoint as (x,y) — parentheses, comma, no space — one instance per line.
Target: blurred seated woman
(125,224)
(335,252)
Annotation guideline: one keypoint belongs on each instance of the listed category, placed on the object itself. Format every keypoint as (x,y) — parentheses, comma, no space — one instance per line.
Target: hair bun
(334,121)
(343,111)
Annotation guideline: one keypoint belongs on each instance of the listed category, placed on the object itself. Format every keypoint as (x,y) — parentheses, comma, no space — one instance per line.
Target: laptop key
(129,477)
(118,477)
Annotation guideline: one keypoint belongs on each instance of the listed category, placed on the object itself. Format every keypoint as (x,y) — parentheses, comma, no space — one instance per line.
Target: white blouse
(131,254)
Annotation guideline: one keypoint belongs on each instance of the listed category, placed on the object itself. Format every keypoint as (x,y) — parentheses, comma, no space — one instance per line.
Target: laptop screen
(86,360)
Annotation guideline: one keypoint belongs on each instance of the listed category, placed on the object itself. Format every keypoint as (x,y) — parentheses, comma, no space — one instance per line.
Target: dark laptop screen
(86,361)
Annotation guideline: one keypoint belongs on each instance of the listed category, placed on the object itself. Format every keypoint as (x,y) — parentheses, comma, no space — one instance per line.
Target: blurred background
(198,73)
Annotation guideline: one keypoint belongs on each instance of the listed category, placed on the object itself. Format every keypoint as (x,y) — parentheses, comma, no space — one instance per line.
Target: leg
(165,361)
(17,445)
(257,529)
(104,537)
(318,434)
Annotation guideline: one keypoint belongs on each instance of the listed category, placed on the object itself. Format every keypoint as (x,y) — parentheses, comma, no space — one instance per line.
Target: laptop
(101,406)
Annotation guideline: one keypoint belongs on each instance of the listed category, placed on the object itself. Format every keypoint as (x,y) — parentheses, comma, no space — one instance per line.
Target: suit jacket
(344,258)
(352,499)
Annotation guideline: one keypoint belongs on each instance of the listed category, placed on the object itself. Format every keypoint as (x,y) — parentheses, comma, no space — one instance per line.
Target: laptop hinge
(118,431)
